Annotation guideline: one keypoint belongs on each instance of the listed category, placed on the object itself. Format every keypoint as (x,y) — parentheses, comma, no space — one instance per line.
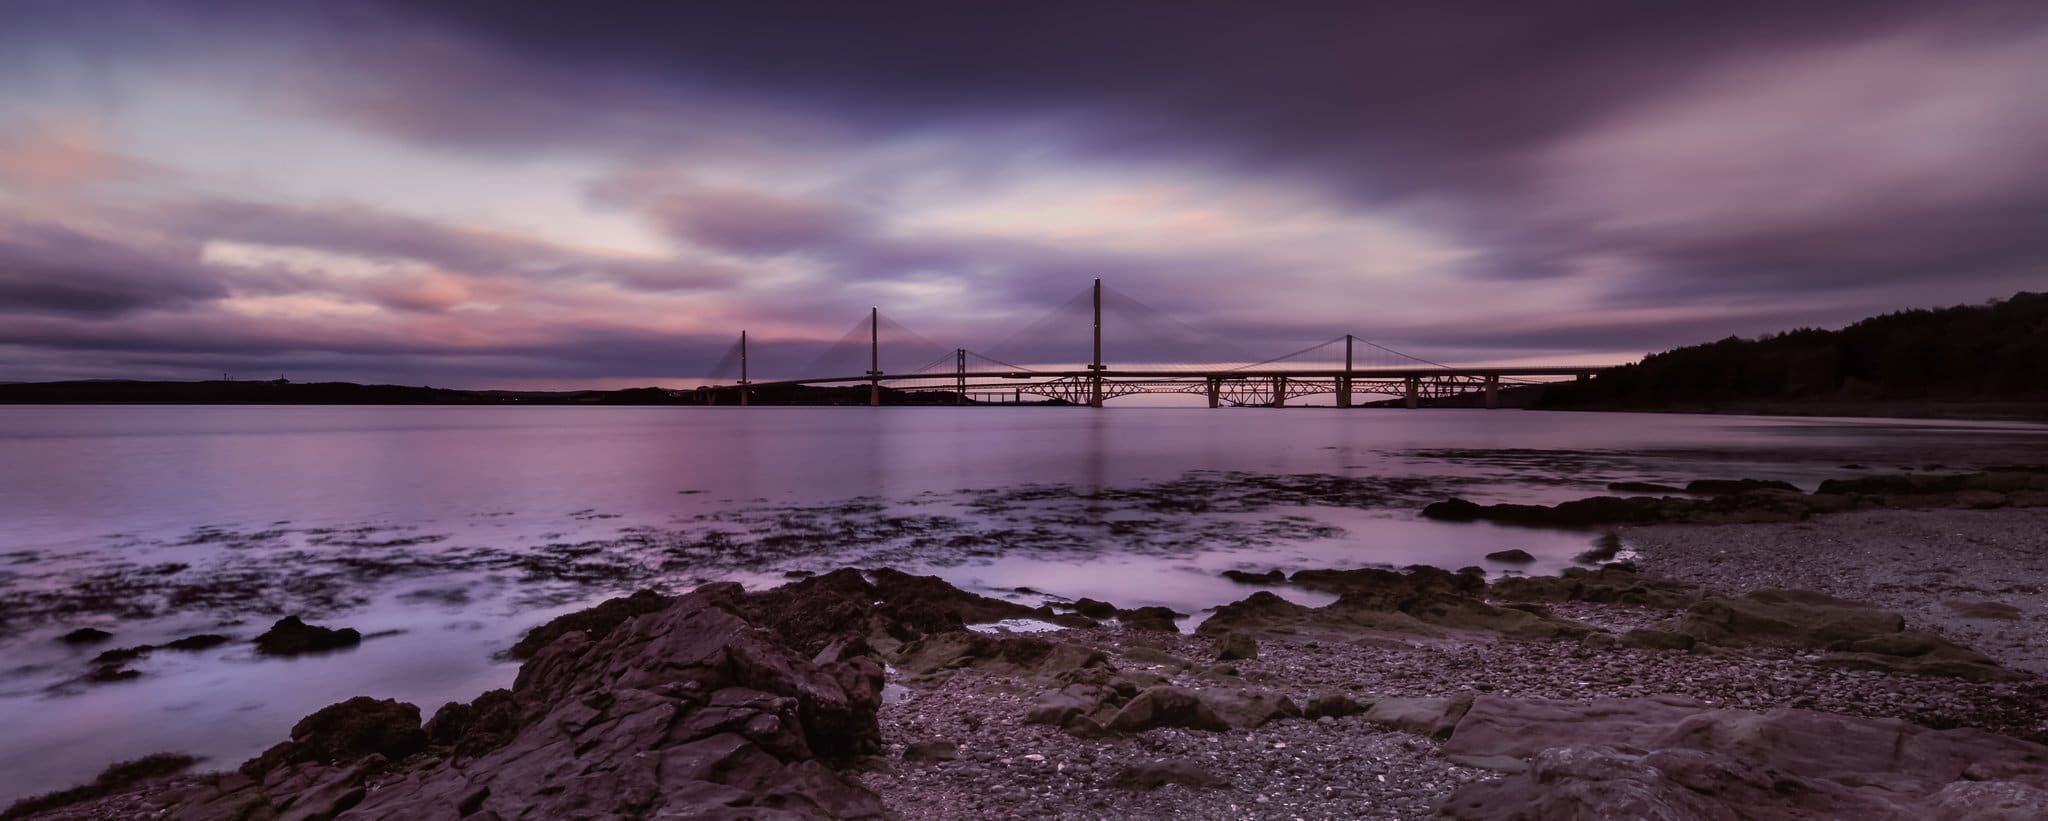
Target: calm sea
(445,532)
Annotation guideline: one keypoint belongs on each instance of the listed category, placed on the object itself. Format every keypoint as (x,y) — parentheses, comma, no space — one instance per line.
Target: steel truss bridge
(1271,384)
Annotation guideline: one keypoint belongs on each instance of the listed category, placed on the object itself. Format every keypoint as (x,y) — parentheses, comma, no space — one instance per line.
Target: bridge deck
(1321,373)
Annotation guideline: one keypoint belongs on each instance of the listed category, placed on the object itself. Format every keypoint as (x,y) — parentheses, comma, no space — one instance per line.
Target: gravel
(1925,564)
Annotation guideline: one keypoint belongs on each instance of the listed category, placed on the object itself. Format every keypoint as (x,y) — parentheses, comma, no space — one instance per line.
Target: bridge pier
(1492,391)
(1279,391)
(1344,382)
(1095,368)
(874,357)
(1215,392)
(1414,396)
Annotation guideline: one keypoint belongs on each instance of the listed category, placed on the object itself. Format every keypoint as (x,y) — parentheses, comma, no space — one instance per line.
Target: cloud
(54,269)
(1594,176)
(379,235)
(57,153)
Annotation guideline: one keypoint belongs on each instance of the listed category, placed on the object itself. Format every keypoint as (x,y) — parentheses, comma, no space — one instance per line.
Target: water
(446,532)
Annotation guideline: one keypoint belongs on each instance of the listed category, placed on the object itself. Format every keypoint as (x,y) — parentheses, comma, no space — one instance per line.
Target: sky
(594,194)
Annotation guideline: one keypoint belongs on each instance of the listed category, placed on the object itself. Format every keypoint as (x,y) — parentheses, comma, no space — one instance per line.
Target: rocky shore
(1876,661)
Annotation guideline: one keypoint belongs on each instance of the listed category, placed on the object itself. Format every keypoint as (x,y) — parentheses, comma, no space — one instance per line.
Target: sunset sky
(495,194)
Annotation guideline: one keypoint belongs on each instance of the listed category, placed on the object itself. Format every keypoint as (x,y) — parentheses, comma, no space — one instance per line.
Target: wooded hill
(1997,351)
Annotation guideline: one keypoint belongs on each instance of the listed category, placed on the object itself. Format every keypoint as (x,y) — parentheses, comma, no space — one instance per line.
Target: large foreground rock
(1670,758)
(685,711)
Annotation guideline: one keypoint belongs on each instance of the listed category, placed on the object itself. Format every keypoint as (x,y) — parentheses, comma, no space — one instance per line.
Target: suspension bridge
(972,377)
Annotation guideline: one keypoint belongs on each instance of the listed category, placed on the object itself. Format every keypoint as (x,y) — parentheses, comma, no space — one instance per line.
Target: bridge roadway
(1237,387)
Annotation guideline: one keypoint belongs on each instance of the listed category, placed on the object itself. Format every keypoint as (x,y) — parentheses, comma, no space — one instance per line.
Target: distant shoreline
(116,392)
(1985,410)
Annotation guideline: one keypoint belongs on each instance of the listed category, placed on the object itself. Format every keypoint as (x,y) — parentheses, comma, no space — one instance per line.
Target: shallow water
(445,532)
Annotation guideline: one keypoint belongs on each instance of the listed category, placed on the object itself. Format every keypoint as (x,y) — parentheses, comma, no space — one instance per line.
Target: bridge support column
(1344,382)
(743,369)
(1279,391)
(1215,392)
(1414,396)
(1492,391)
(1095,368)
(874,357)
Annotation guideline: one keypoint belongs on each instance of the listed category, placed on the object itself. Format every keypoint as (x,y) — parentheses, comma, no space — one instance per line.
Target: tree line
(1994,351)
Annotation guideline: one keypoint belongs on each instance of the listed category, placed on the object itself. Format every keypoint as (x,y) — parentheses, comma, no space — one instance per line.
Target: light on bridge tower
(874,357)
(1095,381)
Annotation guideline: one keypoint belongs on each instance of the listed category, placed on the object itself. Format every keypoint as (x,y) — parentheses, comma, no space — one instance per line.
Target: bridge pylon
(1095,383)
(874,357)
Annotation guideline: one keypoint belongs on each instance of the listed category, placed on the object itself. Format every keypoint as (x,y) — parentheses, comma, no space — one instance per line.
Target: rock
(1433,717)
(108,673)
(1245,709)
(114,779)
(1604,550)
(1014,654)
(932,750)
(196,643)
(1078,701)
(1609,584)
(1236,646)
(1333,704)
(1167,706)
(1671,758)
(594,622)
(1159,619)
(122,655)
(1641,487)
(1986,801)
(884,608)
(1270,577)
(1855,635)
(1984,610)
(1794,617)
(1651,639)
(1718,486)
(1421,601)
(1148,775)
(291,637)
(1599,641)
(1938,491)
(1390,584)
(1094,609)
(472,729)
(686,711)
(85,635)
(1749,507)
(345,733)
(1511,556)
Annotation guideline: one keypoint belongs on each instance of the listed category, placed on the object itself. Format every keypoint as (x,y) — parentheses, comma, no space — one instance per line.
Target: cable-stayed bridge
(1205,365)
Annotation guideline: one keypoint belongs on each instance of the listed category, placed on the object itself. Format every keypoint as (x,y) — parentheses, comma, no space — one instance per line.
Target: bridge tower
(1344,382)
(874,357)
(743,368)
(959,376)
(1095,381)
